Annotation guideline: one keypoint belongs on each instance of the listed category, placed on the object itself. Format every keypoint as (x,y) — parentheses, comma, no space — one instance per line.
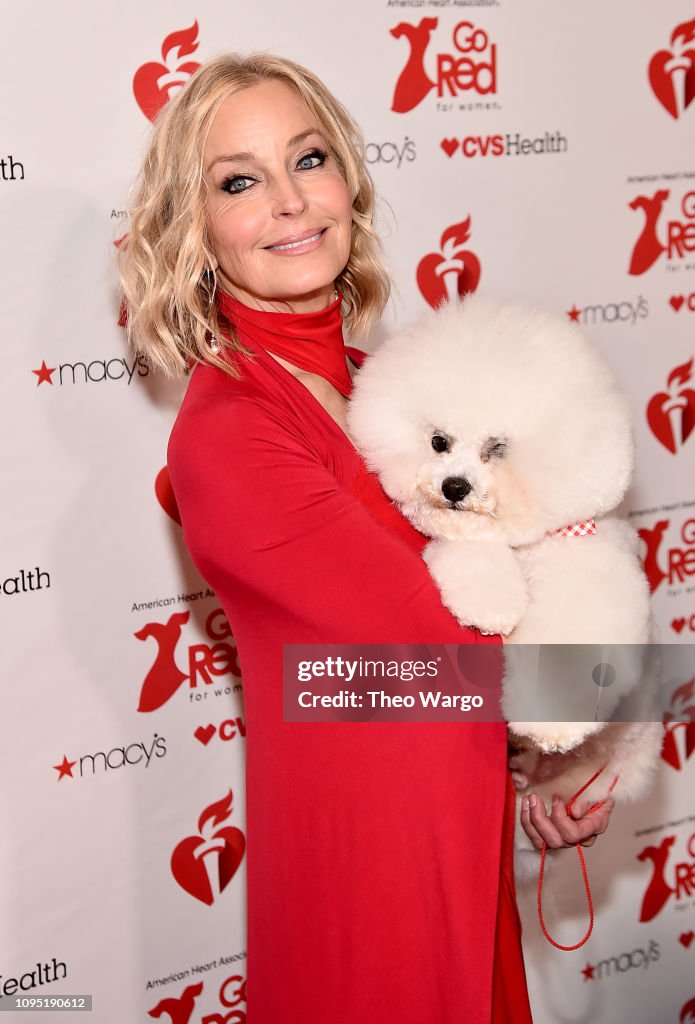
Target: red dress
(376,854)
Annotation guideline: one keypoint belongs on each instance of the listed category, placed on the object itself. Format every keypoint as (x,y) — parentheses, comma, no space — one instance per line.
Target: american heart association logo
(154,83)
(205,864)
(672,72)
(165,495)
(446,275)
(671,414)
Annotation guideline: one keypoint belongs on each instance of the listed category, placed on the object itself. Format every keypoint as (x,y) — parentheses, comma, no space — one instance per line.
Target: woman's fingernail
(556,799)
(532,800)
(524,805)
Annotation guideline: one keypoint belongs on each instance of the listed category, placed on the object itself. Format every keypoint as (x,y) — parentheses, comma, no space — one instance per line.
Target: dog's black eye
(493,448)
(440,442)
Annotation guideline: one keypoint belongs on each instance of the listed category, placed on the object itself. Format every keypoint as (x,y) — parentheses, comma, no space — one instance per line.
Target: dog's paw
(556,737)
(480,582)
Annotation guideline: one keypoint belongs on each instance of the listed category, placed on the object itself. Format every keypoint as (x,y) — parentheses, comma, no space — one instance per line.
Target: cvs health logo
(205,864)
(203,660)
(676,238)
(445,275)
(154,83)
(671,413)
(468,64)
(673,563)
(672,72)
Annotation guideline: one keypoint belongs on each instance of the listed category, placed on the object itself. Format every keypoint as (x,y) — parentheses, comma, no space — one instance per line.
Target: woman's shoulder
(217,407)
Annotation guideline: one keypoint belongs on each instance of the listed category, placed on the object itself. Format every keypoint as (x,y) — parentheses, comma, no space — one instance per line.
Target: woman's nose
(288,197)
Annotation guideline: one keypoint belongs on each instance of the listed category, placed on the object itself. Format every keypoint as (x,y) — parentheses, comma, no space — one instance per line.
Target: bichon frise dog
(501,433)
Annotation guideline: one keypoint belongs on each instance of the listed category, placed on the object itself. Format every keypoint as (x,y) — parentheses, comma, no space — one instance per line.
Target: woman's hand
(560,830)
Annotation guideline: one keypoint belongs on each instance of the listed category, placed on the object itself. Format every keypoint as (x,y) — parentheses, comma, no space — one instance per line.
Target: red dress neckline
(310,341)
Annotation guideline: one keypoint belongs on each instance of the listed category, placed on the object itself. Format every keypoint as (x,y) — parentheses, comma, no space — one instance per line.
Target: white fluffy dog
(501,433)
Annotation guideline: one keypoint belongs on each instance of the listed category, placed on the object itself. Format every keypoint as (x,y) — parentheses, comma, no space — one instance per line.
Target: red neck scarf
(311,341)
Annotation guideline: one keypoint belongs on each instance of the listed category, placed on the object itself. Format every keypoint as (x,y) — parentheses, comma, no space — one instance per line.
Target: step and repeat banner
(537,151)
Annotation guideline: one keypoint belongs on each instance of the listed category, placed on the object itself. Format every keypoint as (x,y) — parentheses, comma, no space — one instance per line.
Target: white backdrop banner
(539,151)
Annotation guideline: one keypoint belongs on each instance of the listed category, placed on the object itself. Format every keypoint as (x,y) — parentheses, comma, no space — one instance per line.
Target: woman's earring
(210,285)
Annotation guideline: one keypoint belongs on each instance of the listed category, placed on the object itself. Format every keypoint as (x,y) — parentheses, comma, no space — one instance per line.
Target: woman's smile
(295,245)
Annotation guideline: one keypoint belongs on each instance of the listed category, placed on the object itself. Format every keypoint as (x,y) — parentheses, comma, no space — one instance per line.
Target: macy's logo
(472,65)
(205,864)
(206,661)
(672,72)
(154,83)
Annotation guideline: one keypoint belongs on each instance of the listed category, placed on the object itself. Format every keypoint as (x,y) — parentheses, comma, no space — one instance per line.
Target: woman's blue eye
(316,158)
(236,183)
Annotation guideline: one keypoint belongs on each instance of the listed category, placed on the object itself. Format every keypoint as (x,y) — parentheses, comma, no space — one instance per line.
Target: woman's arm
(258,505)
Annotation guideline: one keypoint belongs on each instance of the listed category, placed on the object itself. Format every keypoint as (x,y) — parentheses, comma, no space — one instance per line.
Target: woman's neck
(313,302)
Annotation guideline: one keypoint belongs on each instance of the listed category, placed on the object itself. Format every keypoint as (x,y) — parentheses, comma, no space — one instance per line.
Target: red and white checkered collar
(583,529)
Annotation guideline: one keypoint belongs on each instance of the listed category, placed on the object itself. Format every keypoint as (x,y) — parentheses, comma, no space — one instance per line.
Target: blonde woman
(380,884)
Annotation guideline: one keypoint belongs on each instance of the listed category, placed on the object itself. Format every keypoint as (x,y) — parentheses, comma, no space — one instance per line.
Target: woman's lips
(301,244)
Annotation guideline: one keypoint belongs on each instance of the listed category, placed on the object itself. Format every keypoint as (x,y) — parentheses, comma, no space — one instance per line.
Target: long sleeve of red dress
(374,850)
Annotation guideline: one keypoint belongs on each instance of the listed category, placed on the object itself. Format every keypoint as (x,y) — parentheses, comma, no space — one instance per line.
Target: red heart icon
(663,79)
(677,301)
(660,421)
(191,873)
(150,95)
(204,733)
(686,938)
(432,284)
(677,625)
(165,495)
(449,146)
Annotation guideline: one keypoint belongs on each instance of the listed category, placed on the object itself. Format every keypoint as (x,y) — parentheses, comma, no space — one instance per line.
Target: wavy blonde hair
(166,261)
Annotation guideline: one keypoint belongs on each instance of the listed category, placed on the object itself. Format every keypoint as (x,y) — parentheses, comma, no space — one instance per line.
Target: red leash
(581,861)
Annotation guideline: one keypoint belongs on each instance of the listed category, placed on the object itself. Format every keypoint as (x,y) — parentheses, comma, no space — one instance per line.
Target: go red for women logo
(669,880)
(154,83)
(671,413)
(675,239)
(672,562)
(468,64)
(672,71)
(204,864)
(445,275)
(206,662)
(227,1010)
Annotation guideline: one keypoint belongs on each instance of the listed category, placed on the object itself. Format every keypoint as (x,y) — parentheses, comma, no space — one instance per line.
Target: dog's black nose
(455,488)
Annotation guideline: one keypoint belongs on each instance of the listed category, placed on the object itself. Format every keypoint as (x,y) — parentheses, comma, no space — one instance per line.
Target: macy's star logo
(64,768)
(44,373)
